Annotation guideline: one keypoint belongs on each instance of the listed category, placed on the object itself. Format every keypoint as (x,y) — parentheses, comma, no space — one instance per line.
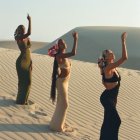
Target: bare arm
(100,65)
(74,49)
(29,26)
(124,54)
(28,32)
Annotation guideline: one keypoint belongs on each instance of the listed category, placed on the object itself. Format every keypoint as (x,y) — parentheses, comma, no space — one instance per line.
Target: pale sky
(53,18)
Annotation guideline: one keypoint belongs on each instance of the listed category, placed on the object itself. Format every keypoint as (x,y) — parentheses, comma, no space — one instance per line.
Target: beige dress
(58,120)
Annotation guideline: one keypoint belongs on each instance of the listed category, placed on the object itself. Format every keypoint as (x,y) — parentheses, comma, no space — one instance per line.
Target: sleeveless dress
(58,120)
(24,71)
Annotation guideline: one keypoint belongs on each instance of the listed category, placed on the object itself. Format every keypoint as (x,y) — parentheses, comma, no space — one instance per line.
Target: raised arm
(124,54)
(75,36)
(29,26)
(19,37)
(74,49)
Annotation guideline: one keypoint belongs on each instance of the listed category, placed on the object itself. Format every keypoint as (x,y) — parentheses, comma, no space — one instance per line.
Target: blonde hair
(62,46)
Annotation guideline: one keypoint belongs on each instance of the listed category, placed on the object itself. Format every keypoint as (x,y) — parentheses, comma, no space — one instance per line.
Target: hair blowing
(54,77)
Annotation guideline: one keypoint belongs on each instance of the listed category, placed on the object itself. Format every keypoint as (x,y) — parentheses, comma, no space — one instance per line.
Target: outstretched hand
(28,17)
(75,35)
(124,36)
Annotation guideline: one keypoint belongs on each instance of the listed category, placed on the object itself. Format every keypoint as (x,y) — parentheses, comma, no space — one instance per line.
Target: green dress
(24,71)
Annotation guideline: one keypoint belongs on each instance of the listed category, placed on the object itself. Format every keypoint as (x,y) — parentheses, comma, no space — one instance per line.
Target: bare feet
(67,128)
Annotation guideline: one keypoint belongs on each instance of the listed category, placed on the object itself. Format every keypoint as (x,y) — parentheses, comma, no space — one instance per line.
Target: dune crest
(94,39)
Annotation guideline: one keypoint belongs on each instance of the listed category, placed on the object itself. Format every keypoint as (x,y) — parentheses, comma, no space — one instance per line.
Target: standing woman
(111,81)
(60,81)
(23,63)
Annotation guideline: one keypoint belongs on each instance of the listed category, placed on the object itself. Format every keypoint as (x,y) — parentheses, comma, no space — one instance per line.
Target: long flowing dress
(112,121)
(58,120)
(24,71)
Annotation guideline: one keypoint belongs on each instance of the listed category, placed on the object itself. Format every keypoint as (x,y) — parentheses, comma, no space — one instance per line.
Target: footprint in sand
(129,74)
(34,110)
(138,73)
(86,137)
(37,114)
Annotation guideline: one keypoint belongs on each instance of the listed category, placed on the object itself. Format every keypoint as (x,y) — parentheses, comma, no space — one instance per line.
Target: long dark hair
(54,77)
(16,33)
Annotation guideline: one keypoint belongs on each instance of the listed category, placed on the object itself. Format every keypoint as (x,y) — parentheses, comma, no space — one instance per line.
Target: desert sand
(11,44)
(85,112)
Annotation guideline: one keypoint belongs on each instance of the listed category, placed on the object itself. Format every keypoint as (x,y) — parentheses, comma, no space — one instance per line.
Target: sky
(53,18)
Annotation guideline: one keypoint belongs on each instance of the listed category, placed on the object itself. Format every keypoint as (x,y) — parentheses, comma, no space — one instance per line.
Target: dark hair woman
(23,63)
(60,81)
(111,81)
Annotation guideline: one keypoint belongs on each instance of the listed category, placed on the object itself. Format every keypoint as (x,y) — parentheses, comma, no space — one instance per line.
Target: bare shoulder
(108,68)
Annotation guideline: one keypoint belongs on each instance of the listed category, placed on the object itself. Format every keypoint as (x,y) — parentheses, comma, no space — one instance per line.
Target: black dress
(112,121)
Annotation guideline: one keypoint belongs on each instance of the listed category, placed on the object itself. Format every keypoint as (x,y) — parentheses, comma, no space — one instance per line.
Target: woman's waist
(24,58)
(111,86)
(25,50)
(62,73)
(26,53)
(64,76)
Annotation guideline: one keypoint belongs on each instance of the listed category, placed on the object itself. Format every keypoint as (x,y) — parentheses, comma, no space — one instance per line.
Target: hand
(124,36)
(100,62)
(75,35)
(28,17)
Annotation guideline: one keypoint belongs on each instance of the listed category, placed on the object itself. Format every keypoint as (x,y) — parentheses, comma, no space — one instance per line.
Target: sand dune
(13,45)
(92,40)
(85,112)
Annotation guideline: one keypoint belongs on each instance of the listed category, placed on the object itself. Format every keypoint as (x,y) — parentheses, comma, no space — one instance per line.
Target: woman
(60,81)
(111,81)
(23,63)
